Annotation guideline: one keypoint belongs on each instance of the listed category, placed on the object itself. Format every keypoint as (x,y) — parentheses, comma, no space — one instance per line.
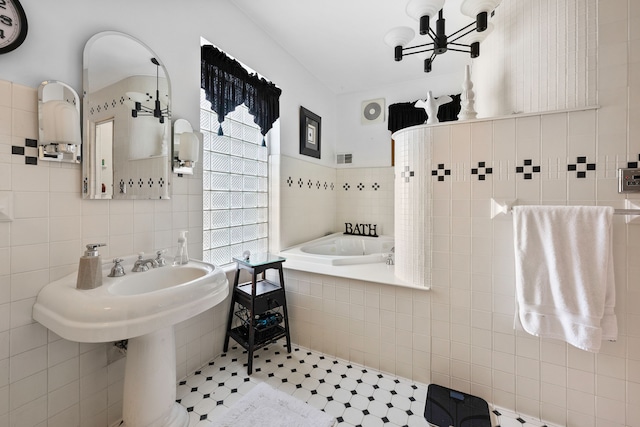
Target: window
(235,185)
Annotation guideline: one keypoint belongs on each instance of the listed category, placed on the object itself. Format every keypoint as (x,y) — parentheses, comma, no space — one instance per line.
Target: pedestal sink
(143,308)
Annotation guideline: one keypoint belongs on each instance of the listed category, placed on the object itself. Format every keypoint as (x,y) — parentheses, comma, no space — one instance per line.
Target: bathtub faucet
(390,256)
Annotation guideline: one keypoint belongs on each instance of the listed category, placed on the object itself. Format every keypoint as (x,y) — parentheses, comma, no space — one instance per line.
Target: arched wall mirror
(58,122)
(126,119)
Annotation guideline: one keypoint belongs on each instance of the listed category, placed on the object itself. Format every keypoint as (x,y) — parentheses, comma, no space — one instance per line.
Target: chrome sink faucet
(143,264)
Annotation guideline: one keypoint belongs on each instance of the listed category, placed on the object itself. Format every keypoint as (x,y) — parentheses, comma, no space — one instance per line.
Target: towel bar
(504,207)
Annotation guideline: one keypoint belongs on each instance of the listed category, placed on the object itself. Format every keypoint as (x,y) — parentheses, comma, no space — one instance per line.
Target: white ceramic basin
(131,305)
(141,307)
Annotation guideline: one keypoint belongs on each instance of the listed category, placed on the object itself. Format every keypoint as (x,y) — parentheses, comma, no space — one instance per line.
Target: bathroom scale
(446,407)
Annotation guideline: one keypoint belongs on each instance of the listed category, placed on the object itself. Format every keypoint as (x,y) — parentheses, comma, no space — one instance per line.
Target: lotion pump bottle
(90,268)
(182,256)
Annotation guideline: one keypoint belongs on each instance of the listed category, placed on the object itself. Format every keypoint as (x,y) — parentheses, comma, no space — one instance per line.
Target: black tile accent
(581,166)
(375,186)
(289,181)
(496,412)
(482,171)
(203,417)
(360,186)
(441,172)
(520,420)
(346,187)
(407,174)
(28,142)
(28,160)
(310,184)
(17,150)
(528,169)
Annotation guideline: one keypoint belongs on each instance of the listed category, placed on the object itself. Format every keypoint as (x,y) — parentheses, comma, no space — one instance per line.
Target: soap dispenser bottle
(90,268)
(182,256)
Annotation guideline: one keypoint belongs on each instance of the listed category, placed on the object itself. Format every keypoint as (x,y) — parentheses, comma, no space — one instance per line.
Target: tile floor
(353,394)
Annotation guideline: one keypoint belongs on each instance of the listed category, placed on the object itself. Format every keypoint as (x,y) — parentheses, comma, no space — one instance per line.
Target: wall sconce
(186,147)
(58,122)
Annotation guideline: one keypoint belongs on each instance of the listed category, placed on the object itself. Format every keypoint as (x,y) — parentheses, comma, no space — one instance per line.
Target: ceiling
(341,42)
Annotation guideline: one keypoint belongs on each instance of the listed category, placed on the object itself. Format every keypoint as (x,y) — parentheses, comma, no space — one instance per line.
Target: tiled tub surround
(315,200)
(460,333)
(45,380)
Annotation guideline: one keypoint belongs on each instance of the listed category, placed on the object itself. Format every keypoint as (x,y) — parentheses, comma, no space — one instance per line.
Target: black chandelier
(423,11)
(139,109)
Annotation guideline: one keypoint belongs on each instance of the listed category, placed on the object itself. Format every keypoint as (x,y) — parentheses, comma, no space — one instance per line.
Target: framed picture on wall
(310,126)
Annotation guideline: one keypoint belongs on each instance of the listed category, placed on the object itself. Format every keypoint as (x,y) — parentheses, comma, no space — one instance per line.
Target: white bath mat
(265,406)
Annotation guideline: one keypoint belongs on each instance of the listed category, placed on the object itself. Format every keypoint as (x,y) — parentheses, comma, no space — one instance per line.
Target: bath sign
(361,229)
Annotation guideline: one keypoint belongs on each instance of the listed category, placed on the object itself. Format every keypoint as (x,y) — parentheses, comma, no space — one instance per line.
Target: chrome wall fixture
(139,109)
(423,11)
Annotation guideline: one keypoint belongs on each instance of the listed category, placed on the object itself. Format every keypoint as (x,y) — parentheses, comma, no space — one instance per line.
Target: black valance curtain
(404,114)
(227,84)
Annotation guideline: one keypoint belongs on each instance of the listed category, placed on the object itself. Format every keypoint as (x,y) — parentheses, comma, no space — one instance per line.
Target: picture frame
(310,133)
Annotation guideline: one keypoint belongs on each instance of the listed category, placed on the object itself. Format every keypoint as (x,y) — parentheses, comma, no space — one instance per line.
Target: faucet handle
(117,270)
(159,259)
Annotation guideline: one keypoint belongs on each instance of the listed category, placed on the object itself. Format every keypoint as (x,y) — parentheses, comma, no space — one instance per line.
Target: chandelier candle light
(139,109)
(423,11)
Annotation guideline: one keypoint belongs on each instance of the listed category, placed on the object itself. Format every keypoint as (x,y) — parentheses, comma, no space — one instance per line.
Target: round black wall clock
(13,25)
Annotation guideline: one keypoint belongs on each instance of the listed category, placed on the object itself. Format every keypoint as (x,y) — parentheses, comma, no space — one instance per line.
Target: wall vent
(345,158)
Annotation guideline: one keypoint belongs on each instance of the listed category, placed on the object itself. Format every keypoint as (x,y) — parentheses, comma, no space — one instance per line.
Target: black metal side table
(261,306)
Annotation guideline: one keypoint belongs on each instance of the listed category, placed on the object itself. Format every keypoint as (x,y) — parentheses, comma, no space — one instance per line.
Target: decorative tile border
(309,183)
(528,170)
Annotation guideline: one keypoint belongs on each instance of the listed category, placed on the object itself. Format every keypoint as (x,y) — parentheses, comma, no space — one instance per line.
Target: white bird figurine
(431,106)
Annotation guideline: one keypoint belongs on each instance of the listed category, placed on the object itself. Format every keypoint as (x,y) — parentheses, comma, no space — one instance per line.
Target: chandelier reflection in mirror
(159,110)
(423,10)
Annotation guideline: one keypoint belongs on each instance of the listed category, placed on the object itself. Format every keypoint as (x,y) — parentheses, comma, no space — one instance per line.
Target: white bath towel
(564,273)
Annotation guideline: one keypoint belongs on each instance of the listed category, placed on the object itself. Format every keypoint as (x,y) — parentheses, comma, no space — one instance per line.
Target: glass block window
(235,185)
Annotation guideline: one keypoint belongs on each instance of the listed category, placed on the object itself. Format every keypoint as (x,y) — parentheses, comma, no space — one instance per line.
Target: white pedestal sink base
(150,382)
